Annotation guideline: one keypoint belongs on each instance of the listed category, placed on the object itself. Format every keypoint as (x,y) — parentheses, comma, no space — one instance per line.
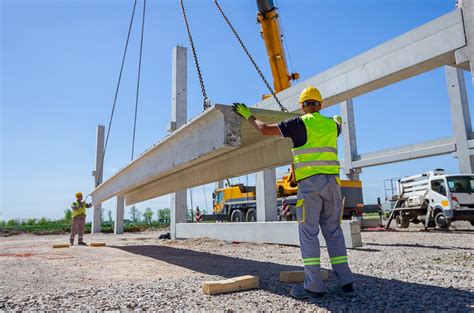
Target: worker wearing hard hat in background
(78,219)
(319,201)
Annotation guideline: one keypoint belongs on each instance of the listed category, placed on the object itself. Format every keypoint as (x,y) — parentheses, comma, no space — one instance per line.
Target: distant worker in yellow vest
(319,201)
(78,219)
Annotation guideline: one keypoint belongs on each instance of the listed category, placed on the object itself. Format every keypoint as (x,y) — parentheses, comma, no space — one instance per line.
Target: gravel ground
(395,271)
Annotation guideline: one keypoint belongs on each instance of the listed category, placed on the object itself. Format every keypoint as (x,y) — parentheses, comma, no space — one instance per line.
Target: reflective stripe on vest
(319,154)
(80,211)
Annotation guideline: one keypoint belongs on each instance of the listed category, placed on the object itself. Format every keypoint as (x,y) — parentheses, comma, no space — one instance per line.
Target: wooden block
(63,245)
(97,244)
(230,285)
(298,276)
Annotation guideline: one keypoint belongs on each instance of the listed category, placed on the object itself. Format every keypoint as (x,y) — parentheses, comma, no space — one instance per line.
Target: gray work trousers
(78,224)
(322,205)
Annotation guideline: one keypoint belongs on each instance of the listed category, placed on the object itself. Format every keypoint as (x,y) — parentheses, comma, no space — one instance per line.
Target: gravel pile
(395,271)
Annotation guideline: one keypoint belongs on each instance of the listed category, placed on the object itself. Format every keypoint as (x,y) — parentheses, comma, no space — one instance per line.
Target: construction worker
(78,219)
(319,201)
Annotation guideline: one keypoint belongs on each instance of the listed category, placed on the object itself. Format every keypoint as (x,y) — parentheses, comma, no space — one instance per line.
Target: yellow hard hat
(78,194)
(310,93)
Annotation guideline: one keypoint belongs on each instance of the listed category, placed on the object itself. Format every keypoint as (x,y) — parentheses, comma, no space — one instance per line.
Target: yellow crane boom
(267,16)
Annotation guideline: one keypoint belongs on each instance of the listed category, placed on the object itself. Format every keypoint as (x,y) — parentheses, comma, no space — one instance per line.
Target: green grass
(57,227)
(370,216)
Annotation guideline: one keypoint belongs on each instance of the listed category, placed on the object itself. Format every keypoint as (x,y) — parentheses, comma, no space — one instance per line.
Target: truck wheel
(402,221)
(441,221)
(237,216)
(251,215)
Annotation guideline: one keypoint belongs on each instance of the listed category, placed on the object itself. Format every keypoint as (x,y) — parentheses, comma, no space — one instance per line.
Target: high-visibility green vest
(319,154)
(80,211)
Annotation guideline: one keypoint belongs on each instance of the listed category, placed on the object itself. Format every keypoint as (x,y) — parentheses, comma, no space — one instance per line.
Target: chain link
(207,102)
(282,108)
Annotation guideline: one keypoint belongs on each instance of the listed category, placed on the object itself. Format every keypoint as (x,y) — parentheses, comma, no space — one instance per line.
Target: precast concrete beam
(467,7)
(420,50)
(213,146)
(406,153)
(285,233)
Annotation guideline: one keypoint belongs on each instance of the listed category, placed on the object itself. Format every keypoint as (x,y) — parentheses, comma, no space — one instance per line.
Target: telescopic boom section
(267,16)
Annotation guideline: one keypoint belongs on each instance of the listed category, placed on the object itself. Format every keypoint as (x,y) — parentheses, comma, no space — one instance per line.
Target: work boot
(82,243)
(348,290)
(345,290)
(298,292)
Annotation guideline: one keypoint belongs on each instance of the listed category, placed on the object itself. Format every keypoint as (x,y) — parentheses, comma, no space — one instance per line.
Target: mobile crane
(237,203)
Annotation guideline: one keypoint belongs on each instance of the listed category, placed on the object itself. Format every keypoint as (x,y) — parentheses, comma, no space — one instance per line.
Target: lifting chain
(207,102)
(282,108)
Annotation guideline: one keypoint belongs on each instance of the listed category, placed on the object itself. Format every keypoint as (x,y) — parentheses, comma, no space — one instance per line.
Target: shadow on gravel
(416,245)
(372,293)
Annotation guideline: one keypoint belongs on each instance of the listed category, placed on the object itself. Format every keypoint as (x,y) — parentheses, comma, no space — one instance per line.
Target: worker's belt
(314,150)
(316,163)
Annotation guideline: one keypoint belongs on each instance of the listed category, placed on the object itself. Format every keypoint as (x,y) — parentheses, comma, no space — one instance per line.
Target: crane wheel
(251,215)
(237,216)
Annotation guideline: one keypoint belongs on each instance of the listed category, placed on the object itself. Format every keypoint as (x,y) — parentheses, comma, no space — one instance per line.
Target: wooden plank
(298,276)
(63,245)
(97,244)
(230,285)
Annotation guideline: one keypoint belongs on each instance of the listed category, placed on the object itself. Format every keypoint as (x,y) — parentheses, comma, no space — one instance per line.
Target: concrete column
(460,117)
(467,7)
(179,117)
(179,89)
(178,210)
(266,195)
(98,175)
(349,137)
(119,213)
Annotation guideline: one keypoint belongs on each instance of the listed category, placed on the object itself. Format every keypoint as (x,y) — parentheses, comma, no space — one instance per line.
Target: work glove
(242,110)
(337,119)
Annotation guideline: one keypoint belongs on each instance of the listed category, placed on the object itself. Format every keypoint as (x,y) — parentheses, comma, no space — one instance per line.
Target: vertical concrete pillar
(179,116)
(266,195)
(467,7)
(119,214)
(349,137)
(98,175)
(460,117)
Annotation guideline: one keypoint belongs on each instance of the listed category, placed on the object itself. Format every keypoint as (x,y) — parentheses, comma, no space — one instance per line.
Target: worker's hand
(242,110)
(337,119)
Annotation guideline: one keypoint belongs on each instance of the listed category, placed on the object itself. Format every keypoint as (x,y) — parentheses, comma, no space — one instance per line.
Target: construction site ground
(404,270)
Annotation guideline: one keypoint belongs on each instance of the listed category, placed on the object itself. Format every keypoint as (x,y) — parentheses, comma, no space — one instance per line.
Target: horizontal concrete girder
(420,50)
(405,153)
(285,233)
(215,145)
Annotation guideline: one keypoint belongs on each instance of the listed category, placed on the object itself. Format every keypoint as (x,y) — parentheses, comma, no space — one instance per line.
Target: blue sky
(60,62)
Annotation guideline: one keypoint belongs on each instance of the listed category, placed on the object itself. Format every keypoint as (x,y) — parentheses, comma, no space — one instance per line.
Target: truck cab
(451,198)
